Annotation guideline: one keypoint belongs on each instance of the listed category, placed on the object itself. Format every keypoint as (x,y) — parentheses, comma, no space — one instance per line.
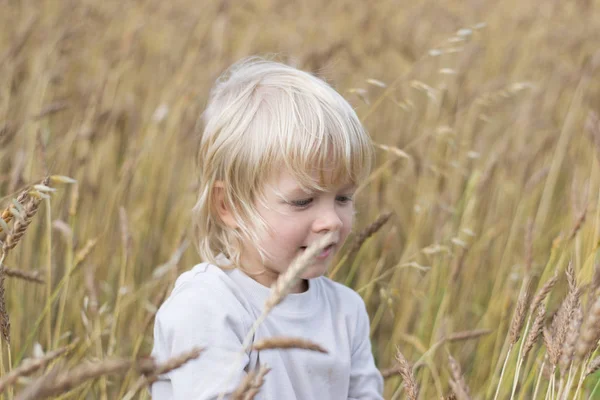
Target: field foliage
(486,185)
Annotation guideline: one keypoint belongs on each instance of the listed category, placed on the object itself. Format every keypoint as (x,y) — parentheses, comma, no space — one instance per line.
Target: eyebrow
(299,191)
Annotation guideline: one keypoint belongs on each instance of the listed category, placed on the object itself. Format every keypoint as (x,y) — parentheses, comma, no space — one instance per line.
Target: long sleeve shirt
(215,308)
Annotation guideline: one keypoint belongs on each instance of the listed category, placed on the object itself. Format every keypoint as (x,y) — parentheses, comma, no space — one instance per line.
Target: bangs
(316,137)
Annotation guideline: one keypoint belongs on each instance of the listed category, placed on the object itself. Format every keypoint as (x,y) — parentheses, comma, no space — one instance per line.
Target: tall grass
(487,184)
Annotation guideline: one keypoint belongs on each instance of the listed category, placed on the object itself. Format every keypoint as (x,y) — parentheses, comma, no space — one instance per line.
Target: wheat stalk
(63,381)
(593,366)
(514,331)
(595,284)
(529,247)
(572,334)
(58,382)
(589,335)
(9,213)
(28,209)
(578,223)
(592,126)
(519,315)
(459,385)
(20,226)
(29,366)
(34,390)
(543,293)
(280,290)
(553,353)
(568,345)
(4,316)
(466,335)
(287,343)
(251,384)
(590,332)
(152,371)
(12,238)
(536,330)
(89,280)
(366,233)
(535,304)
(30,276)
(172,363)
(454,337)
(291,276)
(552,347)
(563,318)
(82,254)
(539,377)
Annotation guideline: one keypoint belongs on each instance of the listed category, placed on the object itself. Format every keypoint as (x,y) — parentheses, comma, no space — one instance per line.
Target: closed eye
(302,203)
(344,199)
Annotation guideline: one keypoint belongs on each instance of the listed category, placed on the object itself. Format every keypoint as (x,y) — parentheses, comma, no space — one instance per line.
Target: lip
(325,253)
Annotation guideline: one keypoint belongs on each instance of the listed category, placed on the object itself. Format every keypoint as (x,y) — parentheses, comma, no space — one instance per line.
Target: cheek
(283,233)
(285,228)
(284,241)
(348,222)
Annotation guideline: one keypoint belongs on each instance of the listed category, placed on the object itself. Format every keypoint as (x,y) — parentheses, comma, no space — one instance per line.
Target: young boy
(280,158)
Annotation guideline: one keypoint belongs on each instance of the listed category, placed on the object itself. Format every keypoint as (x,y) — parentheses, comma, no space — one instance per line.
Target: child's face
(296,223)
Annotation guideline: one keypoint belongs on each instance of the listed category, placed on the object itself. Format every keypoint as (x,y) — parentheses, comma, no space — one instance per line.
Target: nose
(328,220)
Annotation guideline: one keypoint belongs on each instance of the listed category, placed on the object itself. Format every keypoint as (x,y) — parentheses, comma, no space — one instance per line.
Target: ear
(221,206)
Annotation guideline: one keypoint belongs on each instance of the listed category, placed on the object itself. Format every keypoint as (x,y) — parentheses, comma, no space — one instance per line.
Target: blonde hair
(263,116)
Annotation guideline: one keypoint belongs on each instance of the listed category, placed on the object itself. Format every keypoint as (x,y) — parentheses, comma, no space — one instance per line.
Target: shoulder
(204,293)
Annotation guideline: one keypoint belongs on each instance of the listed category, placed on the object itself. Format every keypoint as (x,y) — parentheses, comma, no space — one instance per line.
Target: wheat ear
(287,343)
(30,276)
(458,385)
(152,370)
(408,377)
(251,384)
(29,366)
(514,332)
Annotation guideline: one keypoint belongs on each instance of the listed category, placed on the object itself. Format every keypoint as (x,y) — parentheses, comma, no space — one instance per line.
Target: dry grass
(486,186)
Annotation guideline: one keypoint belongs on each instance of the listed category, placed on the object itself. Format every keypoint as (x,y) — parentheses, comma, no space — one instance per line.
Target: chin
(315,271)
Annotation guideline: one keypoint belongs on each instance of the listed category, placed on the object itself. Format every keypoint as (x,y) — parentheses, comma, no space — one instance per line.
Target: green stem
(48,271)
(502,373)
(539,379)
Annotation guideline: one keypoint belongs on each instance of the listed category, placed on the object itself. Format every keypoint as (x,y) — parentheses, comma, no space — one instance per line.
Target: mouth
(325,253)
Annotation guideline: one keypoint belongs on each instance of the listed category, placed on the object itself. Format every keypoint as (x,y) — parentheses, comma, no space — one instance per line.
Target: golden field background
(479,110)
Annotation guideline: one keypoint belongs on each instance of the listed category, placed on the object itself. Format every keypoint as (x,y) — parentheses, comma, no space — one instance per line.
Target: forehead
(288,182)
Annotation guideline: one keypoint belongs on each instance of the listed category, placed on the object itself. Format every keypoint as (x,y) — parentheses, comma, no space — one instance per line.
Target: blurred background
(483,114)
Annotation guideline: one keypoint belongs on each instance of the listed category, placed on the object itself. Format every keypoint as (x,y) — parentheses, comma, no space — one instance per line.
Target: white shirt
(215,308)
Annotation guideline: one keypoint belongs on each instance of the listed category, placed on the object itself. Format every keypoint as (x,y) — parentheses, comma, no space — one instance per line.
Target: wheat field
(476,245)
